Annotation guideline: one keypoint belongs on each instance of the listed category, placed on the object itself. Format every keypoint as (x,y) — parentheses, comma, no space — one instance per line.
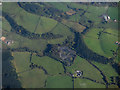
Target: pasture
(59,82)
(53,67)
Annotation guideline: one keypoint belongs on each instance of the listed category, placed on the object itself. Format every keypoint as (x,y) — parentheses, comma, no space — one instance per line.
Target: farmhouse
(77,73)
(67,55)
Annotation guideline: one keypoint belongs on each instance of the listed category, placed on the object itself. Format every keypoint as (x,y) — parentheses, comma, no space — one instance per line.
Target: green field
(84,83)
(53,67)
(107,70)
(21,61)
(59,82)
(60,6)
(62,30)
(88,70)
(92,41)
(113,12)
(33,79)
(11,8)
(45,25)
(108,43)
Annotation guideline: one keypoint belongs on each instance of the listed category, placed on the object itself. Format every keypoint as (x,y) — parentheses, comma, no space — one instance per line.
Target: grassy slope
(84,83)
(21,61)
(92,41)
(20,41)
(33,79)
(62,30)
(103,45)
(59,82)
(52,66)
(74,25)
(88,70)
(45,25)
(108,43)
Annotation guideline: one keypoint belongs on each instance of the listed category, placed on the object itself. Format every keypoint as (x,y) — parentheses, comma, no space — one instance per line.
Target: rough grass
(21,61)
(53,67)
(107,70)
(84,83)
(77,5)
(60,6)
(88,70)
(74,25)
(59,82)
(19,41)
(33,79)
(5,25)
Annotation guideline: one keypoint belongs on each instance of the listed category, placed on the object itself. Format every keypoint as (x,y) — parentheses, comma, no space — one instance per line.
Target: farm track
(37,24)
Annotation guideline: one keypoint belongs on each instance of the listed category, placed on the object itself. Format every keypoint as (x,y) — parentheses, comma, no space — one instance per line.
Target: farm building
(8,42)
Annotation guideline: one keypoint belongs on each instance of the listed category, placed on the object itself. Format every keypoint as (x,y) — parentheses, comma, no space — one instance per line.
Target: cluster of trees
(83,51)
(23,32)
(8,71)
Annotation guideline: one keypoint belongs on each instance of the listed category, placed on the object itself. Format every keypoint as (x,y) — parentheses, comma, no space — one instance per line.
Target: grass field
(59,82)
(5,25)
(62,30)
(108,43)
(84,83)
(92,41)
(99,45)
(21,61)
(56,41)
(53,67)
(11,8)
(45,25)
(88,70)
(33,79)
(107,70)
